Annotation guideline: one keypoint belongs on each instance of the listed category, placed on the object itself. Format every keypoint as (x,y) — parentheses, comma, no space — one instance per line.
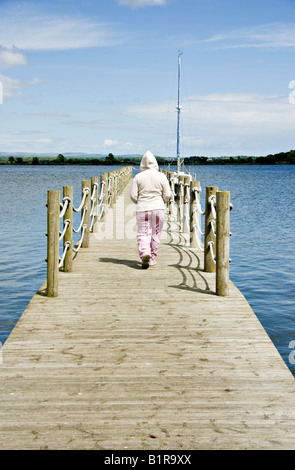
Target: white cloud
(273,35)
(46,114)
(142,3)
(13,87)
(223,124)
(31,29)
(11,57)
(35,81)
(110,143)
(10,140)
(115,144)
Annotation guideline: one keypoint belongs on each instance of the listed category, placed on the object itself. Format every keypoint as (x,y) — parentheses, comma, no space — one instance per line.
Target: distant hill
(5,155)
(75,158)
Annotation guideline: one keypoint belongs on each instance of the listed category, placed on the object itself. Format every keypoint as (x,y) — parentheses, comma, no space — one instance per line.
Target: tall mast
(178,112)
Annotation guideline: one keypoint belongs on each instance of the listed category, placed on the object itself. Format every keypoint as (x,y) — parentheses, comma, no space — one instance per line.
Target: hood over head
(148,162)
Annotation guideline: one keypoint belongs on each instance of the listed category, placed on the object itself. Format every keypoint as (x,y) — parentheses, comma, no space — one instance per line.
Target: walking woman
(150,191)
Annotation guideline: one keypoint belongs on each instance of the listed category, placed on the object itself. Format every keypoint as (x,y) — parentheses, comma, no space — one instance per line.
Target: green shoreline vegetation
(283,158)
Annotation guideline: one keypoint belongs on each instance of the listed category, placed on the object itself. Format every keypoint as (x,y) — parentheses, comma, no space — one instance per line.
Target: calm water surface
(262,242)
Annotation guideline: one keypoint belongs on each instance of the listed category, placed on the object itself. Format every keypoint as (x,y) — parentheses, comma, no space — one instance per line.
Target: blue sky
(100,76)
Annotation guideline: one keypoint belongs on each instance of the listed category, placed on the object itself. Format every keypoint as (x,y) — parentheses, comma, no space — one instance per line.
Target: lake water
(262,242)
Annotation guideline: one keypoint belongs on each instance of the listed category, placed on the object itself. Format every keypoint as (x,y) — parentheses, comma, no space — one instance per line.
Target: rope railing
(213,241)
(94,198)
(85,192)
(197,211)
(92,209)
(211,232)
(184,204)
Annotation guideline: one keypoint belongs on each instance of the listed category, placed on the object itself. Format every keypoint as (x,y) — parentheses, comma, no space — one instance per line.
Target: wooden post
(120,181)
(85,242)
(53,210)
(110,189)
(115,181)
(125,178)
(222,245)
(94,191)
(186,205)
(68,261)
(209,265)
(180,199)
(104,188)
(194,233)
(170,176)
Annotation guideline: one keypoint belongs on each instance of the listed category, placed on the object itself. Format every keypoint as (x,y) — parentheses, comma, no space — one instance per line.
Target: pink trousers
(149,229)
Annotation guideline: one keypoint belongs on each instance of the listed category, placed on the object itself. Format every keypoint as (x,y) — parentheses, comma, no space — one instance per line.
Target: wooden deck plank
(126,358)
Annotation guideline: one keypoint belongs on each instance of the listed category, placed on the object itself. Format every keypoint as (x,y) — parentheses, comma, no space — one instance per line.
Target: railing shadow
(188,264)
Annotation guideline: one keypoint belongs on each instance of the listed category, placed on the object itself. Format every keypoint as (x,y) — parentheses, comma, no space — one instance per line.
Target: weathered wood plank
(126,358)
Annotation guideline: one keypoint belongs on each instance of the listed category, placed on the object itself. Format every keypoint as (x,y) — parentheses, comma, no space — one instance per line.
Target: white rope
(110,190)
(197,238)
(92,198)
(66,224)
(113,185)
(172,185)
(181,214)
(212,202)
(61,260)
(186,218)
(197,224)
(81,239)
(212,223)
(211,250)
(101,191)
(181,188)
(64,206)
(198,207)
(93,215)
(101,197)
(82,220)
(101,211)
(116,183)
(85,192)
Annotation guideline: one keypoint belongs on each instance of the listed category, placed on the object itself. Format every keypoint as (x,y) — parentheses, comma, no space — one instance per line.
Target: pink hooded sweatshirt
(150,189)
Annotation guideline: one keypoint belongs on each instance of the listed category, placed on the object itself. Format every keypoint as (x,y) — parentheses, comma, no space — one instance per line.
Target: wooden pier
(125,358)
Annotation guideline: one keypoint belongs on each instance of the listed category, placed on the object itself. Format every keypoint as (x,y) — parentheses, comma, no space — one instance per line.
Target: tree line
(282,158)
(61,160)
